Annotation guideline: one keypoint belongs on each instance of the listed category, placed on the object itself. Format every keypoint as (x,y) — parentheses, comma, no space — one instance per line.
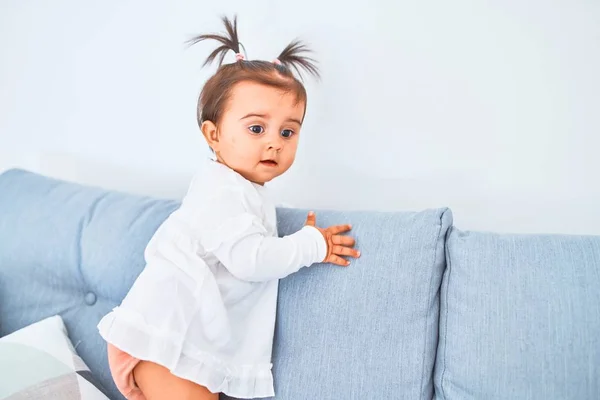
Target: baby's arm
(241,242)
(257,257)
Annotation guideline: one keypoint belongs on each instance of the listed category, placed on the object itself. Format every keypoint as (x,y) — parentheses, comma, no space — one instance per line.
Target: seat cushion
(367,331)
(520,317)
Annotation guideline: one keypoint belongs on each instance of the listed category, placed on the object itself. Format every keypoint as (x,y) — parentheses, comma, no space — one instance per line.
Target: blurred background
(490,108)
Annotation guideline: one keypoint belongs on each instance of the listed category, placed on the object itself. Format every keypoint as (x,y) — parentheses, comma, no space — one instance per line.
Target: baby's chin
(262,177)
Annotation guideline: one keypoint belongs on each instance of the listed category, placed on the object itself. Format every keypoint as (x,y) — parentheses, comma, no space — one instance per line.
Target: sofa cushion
(368,331)
(520,317)
(39,362)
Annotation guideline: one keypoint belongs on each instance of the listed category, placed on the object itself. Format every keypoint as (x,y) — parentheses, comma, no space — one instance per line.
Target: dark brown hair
(277,73)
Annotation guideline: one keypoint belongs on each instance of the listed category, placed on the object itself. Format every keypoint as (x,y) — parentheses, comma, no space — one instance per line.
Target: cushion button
(90,299)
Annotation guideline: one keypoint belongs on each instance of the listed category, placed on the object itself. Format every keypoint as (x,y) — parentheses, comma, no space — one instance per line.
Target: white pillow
(39,362)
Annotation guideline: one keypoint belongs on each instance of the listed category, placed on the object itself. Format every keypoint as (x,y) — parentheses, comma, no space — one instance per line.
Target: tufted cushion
(70,250)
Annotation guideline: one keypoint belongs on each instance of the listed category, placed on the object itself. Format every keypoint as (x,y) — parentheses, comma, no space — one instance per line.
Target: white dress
(204,306)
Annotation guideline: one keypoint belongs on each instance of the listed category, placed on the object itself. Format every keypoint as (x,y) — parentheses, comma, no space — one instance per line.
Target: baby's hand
(337,245)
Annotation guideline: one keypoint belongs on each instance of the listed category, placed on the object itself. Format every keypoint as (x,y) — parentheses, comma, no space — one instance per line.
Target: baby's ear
(209,130)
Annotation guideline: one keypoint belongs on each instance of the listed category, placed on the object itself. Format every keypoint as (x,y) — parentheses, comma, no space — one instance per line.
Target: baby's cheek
(287,162)
(236,147)
(247,155)
(290,151)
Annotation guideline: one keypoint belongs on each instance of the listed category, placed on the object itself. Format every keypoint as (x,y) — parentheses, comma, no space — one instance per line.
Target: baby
(200,318)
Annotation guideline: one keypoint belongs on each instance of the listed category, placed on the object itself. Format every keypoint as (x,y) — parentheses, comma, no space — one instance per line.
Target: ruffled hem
(128,332)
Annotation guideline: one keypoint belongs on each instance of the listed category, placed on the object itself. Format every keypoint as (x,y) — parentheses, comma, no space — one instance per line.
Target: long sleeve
(238,238)
(260,258)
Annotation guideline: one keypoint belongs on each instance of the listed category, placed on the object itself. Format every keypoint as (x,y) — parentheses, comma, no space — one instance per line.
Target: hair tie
(239,57)
(276,61)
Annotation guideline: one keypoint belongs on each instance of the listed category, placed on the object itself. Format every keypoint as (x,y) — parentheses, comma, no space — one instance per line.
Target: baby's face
(258,133)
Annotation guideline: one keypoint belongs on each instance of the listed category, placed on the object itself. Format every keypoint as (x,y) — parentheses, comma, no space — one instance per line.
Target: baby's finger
(337,260)
(311,220)
(335,229)
(343,240)
(345,251)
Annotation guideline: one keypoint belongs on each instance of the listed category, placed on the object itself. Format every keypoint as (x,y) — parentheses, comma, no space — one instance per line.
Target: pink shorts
(121,367)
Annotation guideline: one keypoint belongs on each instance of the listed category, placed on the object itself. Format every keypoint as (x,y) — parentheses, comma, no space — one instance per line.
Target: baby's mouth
(269,163)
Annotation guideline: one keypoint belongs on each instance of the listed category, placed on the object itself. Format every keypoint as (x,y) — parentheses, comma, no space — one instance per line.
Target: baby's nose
(276,143)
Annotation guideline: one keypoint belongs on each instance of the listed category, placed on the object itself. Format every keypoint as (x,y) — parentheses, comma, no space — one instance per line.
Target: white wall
(491,108)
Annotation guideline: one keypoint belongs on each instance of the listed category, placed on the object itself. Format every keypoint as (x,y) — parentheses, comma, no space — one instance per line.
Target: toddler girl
(199,320)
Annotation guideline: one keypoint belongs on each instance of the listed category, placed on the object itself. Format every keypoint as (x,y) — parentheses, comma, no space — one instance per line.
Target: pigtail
(228,40)
(292,57)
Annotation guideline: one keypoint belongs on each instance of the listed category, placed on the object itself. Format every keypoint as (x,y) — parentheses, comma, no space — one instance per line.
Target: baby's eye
(256,129)
(287,133)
